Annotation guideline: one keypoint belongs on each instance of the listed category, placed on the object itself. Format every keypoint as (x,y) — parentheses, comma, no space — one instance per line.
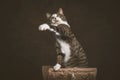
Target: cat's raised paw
(44,27)
(57,67)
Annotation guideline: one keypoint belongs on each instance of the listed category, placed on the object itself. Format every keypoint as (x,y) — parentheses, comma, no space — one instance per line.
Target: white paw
(57,67)
(44,27)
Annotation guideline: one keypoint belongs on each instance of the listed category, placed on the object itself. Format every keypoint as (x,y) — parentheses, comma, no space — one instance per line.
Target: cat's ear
(60,11)
(48,15)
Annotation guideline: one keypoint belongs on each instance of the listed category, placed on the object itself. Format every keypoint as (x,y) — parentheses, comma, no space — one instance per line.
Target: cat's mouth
(55,21)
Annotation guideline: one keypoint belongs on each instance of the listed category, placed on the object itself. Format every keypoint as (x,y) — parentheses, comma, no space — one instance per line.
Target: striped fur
(70,53)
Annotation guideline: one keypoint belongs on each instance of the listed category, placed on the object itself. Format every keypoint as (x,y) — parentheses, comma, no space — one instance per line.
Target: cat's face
(56,18)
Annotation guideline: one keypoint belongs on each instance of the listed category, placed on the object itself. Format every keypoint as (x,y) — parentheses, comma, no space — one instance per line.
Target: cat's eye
(58,15)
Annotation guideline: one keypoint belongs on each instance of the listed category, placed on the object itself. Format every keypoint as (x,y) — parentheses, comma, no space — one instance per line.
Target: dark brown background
(25,49)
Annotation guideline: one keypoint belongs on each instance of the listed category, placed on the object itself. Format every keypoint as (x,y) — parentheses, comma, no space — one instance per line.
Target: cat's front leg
(44,27)
(60,62)
(57,67)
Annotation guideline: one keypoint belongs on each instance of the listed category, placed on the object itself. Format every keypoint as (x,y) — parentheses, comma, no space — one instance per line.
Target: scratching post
(69,73)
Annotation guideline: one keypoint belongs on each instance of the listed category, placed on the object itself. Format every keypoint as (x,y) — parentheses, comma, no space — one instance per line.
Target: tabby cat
(70,53)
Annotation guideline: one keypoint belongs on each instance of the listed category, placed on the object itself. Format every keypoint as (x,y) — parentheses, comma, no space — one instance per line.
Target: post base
(69,73)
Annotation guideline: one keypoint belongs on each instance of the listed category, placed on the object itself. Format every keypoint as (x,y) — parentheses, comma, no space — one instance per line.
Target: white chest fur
(65,48)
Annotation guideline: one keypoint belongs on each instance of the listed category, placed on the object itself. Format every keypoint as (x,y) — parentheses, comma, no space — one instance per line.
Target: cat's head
(57,18)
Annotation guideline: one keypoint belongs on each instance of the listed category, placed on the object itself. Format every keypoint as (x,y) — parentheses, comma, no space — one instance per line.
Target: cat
(70,53)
